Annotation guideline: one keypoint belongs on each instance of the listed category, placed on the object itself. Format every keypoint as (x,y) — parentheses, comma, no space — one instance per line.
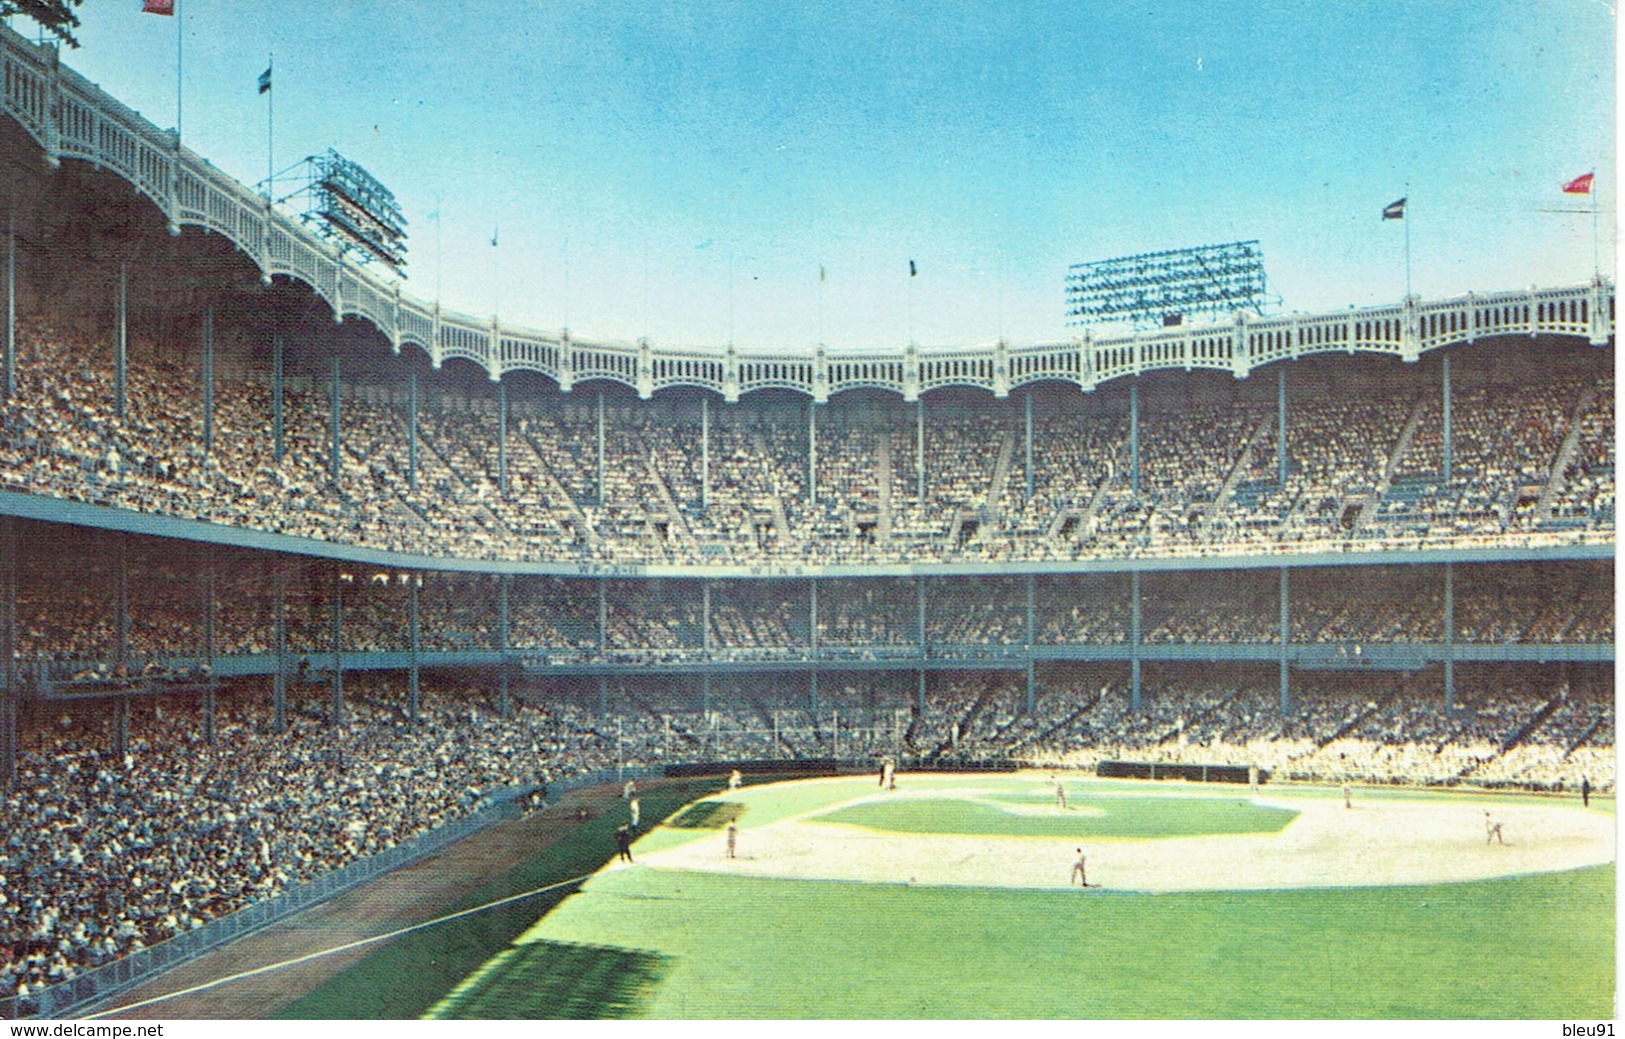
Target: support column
(705,617)
(121,340)
(504,598)
(1286,642)
(414,629)
(600,483)
(1449,637)
(10,691)
(920,695)
(277,436)
(121,726)
(812,616)
(412,432)
(208,380)
(1134,641)
(603,619)
(919,451)
(279,678)
(121,604)
(1280,426)
(1032,618)
(603,694)
(504,594)
(333,424)
(705,694)
(812,453)
(1449,435)
(812,691)
(335,712)
(705,452)
(209,650)
(1029,446)
(919,621)
(10,387)
(502,439)
(1134,436)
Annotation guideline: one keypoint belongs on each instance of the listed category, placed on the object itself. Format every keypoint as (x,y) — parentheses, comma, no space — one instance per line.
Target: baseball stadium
(364,658)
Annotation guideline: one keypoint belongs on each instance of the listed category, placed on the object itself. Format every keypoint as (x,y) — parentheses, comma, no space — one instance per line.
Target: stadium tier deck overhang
(71,121)
(1353,553)
(1373,658)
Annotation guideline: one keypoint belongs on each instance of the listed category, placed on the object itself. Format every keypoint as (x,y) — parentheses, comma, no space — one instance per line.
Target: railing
(79,993)
(72,118)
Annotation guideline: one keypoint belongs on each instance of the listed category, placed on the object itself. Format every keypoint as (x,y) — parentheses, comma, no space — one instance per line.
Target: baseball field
(956,897)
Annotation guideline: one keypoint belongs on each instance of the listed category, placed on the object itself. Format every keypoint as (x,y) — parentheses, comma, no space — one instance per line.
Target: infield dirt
(1377,842)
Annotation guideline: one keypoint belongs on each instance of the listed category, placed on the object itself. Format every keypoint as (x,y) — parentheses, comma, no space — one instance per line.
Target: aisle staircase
(1565,455)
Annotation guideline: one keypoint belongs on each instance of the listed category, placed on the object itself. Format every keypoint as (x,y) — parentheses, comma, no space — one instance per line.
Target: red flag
(158,7)
(1580,185)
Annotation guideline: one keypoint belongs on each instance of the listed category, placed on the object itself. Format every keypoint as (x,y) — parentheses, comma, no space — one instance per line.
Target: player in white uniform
(1078,873)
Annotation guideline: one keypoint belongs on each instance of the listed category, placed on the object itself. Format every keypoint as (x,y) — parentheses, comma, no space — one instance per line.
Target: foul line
(336,949)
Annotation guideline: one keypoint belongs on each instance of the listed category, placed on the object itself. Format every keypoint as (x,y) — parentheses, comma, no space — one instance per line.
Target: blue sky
(682,170)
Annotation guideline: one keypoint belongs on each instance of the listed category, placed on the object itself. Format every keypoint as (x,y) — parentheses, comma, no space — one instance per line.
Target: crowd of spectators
(1532,462)
(1546,739)
(101,855)
(69,622)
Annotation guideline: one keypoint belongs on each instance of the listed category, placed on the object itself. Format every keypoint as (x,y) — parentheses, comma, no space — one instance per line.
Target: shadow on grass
(557,981)
(409,975)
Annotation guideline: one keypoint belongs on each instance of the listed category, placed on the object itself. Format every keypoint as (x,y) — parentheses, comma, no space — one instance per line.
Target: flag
(1394,210)
(1580,185)
(912,270)
(265,80)
(821,278)
(158,7)
(494,231)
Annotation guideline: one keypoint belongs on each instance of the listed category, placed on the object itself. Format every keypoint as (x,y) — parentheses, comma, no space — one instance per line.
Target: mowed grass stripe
(555,981)
(409,975)
(1143,817)
(1526,947)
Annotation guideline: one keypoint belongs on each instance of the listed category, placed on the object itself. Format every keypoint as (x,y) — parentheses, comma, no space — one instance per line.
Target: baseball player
(1078,873)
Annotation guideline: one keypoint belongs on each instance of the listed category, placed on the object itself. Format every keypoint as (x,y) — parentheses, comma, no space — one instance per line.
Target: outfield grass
(1143,817)
(712,945)
(1525,947)
(410,974)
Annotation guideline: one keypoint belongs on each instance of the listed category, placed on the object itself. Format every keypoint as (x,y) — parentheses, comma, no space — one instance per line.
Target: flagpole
(909,307)
(270,132)
(1596,261)
(180,17)
(820,303)
(1406,219)
(437,264)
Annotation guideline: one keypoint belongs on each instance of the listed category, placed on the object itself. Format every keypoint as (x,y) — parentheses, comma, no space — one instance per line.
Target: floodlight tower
(1148,289)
